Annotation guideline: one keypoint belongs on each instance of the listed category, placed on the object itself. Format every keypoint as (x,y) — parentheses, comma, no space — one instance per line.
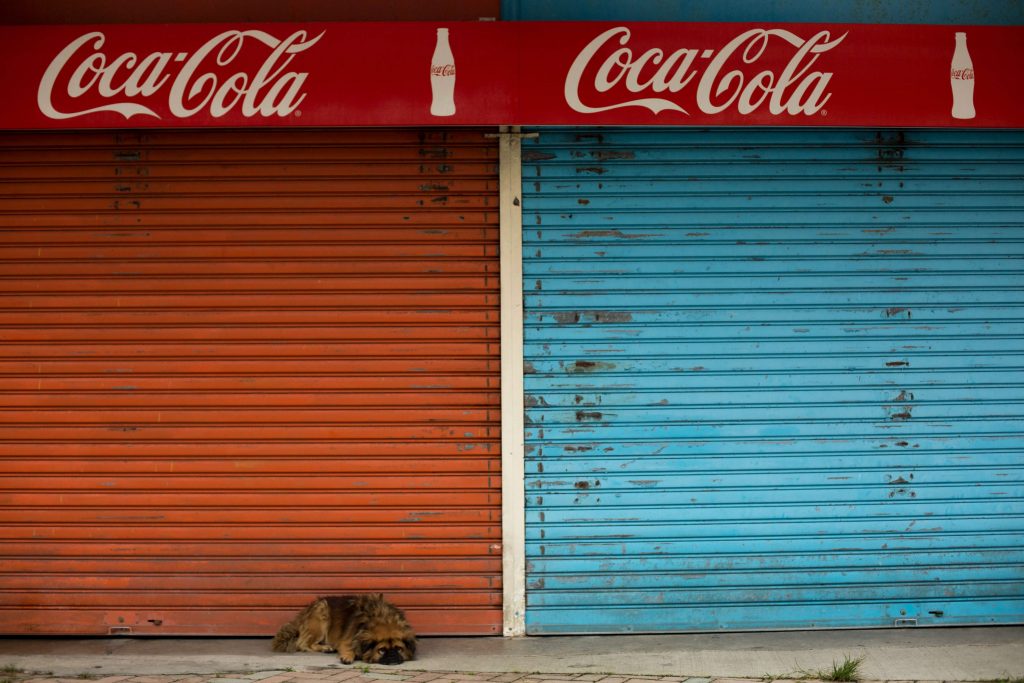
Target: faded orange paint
(239,370)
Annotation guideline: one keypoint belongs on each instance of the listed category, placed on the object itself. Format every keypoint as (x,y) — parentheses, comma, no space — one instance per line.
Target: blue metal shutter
(774,379)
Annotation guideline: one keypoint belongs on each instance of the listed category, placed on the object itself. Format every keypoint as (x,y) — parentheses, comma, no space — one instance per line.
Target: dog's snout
(392,656)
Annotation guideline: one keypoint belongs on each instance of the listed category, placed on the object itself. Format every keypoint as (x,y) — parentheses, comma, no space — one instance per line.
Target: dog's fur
(358,627)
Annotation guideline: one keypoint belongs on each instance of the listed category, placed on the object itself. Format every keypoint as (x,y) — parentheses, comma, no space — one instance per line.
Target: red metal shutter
(242,369)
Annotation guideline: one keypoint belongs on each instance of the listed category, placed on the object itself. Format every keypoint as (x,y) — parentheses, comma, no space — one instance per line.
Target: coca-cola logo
(442,69)
(962,74)
(188,83)
(727,78)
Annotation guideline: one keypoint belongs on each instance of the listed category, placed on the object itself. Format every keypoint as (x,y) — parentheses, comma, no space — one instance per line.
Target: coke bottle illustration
(442,77)
(961,79)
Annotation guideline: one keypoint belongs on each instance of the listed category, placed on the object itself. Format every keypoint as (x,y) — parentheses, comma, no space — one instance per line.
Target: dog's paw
(345,660)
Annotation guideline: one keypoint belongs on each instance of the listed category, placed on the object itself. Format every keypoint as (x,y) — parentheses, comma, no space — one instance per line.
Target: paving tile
(425,676)
(278,677)
(345,674)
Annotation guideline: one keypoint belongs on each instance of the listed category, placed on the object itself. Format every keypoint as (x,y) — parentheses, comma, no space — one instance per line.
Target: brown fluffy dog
(363,627)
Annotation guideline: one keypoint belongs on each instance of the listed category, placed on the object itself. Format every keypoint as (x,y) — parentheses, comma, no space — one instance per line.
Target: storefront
(243,367)
(714,326)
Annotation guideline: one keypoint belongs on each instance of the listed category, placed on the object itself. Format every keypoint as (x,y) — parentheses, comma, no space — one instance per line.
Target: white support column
(513,512)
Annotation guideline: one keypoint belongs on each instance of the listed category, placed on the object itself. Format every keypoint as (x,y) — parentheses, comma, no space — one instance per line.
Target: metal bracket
(904,623)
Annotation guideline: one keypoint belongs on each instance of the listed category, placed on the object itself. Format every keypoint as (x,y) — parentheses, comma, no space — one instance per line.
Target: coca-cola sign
(186,83)
(511,73)
(655,79)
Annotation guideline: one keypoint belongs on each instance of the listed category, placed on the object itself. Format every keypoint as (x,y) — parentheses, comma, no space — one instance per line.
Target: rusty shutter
(774,379)
(242,369)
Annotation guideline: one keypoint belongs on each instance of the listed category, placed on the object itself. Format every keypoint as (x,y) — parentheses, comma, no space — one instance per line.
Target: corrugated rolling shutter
(775,379)
(242,369)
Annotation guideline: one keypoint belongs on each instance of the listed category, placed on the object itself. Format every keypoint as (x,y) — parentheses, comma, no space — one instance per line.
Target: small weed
(11,669)
(848,670)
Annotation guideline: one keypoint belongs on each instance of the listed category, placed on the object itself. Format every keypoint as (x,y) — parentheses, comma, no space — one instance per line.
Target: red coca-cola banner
(517,73)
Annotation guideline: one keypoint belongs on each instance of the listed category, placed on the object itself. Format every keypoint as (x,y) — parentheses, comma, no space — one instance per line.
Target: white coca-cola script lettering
(200,83)
(795,90)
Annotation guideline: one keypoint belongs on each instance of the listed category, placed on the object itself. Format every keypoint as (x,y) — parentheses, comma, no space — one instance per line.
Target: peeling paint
(606,154)
(587,234)
(586,366)
(533,155)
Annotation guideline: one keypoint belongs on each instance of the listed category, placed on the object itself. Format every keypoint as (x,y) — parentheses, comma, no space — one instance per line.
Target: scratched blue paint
(774,379)
(968,12)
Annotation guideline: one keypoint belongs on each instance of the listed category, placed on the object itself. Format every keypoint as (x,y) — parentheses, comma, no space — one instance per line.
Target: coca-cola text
(795,90)
(199,84)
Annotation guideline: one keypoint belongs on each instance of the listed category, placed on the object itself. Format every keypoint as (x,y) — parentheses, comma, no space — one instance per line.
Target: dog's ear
(410,646)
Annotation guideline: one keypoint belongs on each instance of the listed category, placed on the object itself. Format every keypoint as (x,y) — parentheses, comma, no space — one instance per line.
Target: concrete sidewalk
(953,654)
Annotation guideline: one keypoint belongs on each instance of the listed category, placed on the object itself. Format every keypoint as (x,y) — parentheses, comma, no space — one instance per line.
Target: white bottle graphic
(442,77)
(961,79)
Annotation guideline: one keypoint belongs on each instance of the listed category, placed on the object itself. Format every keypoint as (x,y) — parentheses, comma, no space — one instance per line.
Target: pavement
(990,654)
